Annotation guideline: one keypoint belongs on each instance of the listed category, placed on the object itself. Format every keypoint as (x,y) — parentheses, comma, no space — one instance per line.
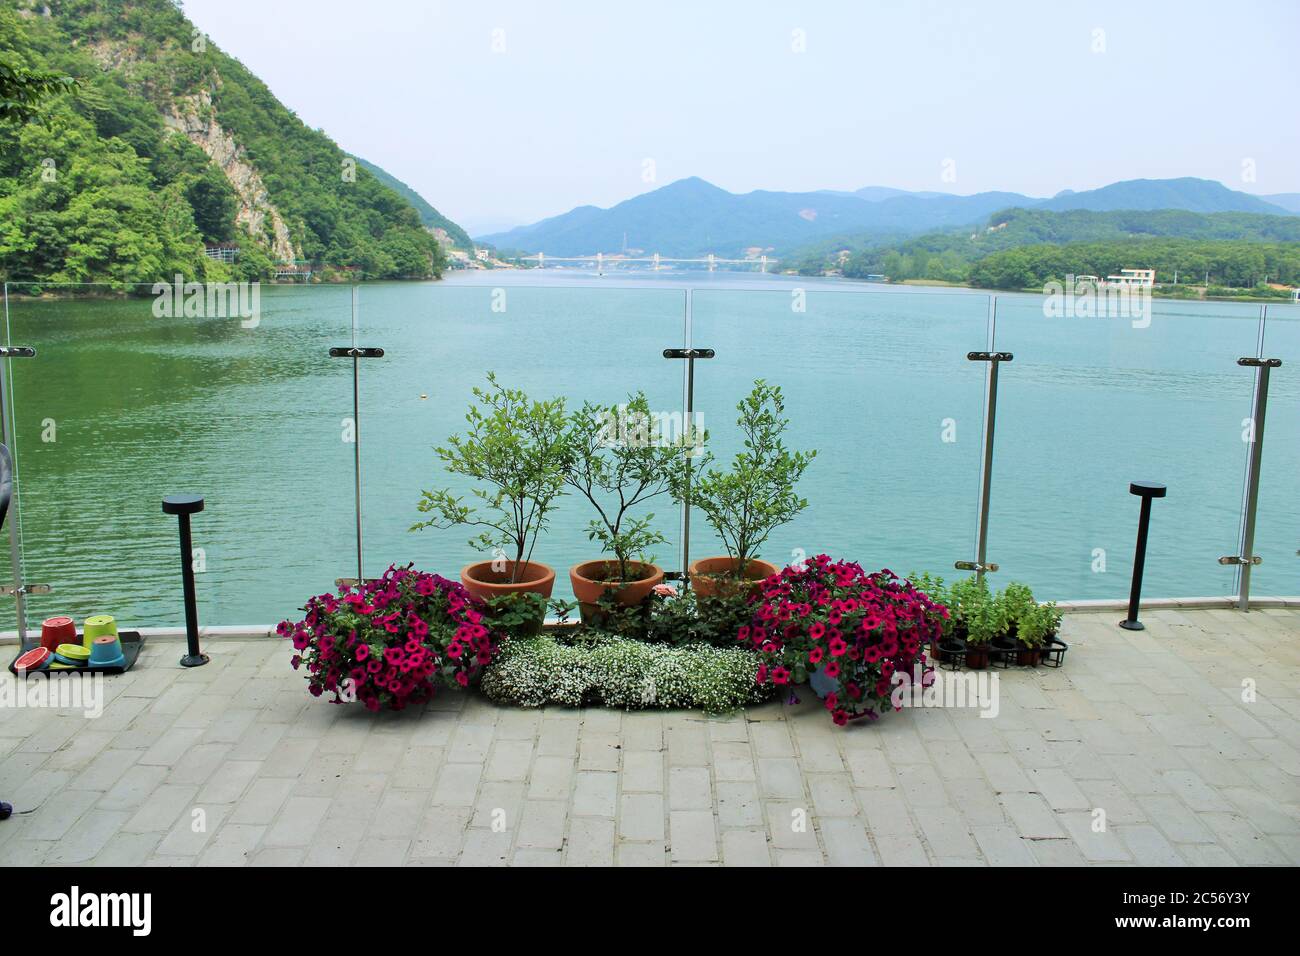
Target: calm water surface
(120,408)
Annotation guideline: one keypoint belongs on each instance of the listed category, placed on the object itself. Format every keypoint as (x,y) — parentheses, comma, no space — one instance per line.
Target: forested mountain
(1222,264)
(431,218)
(692,217)
(167,144)
(1236,248)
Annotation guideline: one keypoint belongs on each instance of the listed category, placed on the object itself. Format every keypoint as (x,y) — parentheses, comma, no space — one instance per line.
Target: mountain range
(691,217)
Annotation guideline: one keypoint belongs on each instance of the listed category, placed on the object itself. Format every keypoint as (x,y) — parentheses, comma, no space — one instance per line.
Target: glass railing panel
(1277,521)
(580,337)
(877,382)
(129,399)
(1090,404)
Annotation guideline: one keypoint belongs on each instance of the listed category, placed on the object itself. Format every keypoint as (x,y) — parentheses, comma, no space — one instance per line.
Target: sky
(503,113)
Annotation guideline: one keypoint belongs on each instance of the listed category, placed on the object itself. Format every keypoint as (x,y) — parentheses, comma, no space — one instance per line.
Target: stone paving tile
(591,842)
(692,836)
(1142,750)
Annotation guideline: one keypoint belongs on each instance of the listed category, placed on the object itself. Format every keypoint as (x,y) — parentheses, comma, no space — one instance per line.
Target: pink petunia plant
(857,628)
(392,641)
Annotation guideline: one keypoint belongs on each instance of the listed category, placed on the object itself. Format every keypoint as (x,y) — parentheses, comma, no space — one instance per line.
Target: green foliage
(976,615)
(429,216)
(591,668)
(1037,623)
(757,495)
(132,201)
(1024,248)
(616,461)
(522,613)
(1237,263)
(985,619)
(682,618)
(516,449)
(979,615)
(22,91)
(1017,601)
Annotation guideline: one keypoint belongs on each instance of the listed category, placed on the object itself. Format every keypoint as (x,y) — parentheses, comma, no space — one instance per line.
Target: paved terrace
(1149,727)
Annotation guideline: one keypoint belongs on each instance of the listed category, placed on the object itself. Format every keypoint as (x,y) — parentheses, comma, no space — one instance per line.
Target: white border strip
(1191,603)
(236,631)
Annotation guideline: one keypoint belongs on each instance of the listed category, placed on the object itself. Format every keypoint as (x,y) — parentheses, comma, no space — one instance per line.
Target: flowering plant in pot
(846,630)
(746,503)
(515,449)
(392,641)
(617,461)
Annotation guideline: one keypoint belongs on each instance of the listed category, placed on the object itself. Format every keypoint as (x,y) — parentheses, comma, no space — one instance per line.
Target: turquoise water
(876,380)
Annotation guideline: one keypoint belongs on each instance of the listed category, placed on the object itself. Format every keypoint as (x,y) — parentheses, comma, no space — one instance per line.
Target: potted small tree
(747,502)
(515,448)
(618,461)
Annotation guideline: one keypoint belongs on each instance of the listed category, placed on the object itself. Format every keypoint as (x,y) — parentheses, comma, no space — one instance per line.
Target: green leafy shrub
(1017,602)
(978,615)
(677,617)
(1037,623)
(605,669)
(522,613)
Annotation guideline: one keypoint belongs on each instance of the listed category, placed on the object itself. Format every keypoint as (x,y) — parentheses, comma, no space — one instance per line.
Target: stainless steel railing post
(8,430)
(690,354)
(356,352)
(981,563)
(1247,559)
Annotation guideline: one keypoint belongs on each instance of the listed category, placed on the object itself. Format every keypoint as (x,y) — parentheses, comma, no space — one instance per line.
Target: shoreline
(100,291)
(1155,293)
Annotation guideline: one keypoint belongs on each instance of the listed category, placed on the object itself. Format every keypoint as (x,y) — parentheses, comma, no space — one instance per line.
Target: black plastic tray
(132,641)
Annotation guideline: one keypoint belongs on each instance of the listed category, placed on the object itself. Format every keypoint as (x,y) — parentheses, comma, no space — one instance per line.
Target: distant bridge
(600,260)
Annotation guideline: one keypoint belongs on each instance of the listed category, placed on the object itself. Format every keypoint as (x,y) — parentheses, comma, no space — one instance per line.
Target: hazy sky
(502,113)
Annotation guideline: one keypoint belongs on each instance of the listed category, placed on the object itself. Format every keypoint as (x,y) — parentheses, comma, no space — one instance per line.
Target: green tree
(23,91)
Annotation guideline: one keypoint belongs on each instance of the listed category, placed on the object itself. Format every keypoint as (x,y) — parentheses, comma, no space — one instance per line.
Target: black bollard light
(1146,490)
(183,506)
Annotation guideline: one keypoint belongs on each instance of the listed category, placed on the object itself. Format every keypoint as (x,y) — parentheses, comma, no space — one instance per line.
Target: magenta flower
(887,621)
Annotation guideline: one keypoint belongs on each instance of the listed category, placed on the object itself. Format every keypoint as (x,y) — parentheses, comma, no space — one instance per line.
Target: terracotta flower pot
(484,583)
(590,584)
(709,576)
(1029,656)
(977,656)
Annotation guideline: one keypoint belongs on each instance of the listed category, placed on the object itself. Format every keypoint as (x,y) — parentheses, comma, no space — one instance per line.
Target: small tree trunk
(519,563)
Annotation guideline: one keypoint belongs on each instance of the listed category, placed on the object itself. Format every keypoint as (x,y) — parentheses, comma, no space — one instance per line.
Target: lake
(121,407)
